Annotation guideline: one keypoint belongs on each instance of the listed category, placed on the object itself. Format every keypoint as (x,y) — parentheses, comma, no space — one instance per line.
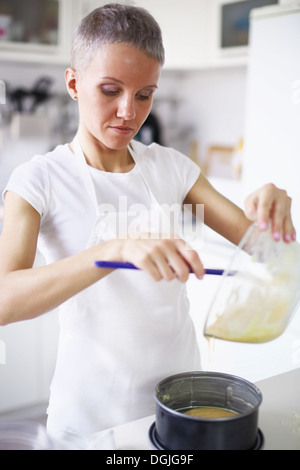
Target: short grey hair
(116,23)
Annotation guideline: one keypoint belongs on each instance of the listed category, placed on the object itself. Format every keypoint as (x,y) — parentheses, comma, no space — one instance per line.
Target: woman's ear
(71,82)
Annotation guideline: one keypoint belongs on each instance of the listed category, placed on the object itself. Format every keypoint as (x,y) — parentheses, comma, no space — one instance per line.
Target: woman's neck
(102,158)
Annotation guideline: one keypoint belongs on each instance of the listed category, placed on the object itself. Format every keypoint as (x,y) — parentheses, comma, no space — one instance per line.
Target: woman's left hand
(270,205)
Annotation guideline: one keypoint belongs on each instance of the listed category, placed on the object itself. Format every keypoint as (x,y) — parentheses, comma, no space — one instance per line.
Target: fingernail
(263,226)
(294,236)
(276,236)
(287,237)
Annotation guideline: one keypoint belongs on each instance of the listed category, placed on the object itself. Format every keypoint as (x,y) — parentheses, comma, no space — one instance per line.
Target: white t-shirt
(52,184)
(122,335)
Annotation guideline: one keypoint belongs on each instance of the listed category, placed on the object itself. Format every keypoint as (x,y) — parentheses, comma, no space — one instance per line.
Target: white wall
(211,104)
(215,104)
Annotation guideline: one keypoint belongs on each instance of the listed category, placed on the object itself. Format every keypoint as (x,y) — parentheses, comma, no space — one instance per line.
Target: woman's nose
(126,109)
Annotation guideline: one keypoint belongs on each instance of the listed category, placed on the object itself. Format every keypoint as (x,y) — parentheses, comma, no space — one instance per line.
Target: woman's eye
(109,91)
(143,97)
(112,91)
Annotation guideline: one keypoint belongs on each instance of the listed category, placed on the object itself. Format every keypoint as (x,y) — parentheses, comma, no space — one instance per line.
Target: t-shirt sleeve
(190,175)
(186,170)
(31,182)
(172,174)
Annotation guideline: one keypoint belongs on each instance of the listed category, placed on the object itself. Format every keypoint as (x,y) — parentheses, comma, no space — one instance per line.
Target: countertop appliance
(272,137)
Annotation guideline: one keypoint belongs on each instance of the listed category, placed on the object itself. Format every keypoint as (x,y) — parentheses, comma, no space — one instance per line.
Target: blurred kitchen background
(210,100)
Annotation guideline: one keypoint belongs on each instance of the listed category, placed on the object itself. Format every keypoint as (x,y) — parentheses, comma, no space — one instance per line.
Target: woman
(121,332)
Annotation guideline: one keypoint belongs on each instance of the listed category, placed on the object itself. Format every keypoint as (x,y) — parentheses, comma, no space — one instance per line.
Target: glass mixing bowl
(258,293)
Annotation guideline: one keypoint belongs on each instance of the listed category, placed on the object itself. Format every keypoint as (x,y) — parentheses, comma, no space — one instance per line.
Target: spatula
(122,265)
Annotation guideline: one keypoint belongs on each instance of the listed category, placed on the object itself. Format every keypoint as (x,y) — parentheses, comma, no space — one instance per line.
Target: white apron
(118,339)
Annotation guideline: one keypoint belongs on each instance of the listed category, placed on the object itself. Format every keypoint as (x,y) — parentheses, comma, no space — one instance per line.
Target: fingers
(289,230)
(270,205)
(164,258)
(282,225)
(183,260)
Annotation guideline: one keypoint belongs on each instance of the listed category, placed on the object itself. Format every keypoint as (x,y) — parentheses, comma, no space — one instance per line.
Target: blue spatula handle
(121,265)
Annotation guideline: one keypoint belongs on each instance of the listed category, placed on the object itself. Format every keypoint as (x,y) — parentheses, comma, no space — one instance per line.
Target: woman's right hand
(162,258)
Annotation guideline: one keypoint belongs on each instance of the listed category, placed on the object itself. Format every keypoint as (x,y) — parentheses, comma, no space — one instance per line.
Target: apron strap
(84,172)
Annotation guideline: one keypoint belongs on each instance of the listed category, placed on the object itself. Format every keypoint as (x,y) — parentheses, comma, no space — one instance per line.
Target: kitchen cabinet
(34,22)
(184,28)
(18,367)
(190,31)
(38,31)
(28,351)
(183,24)
(228,34)
(27,365)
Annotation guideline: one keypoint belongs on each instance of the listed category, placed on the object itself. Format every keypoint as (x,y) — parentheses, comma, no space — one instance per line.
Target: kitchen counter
(279,417)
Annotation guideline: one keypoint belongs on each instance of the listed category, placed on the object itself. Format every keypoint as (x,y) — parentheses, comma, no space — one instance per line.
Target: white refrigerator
(272,126)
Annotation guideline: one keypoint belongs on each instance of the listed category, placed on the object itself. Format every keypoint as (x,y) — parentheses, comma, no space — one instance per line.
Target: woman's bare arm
(27,292)
(220,214)
(268,205)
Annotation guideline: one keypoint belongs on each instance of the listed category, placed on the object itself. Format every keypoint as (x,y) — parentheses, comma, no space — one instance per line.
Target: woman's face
(115,93)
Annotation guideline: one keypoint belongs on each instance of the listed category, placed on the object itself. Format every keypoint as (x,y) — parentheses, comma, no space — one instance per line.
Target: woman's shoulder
(159,154)
(42,164)
(32,180)
(41,167)
(61,154)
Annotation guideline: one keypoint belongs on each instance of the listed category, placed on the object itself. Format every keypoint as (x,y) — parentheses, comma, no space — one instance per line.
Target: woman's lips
(122,130)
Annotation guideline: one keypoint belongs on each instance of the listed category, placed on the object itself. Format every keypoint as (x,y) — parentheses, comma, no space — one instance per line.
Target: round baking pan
(175,430)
